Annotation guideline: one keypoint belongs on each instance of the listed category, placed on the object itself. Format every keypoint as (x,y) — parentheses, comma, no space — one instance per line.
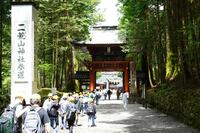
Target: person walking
(85,102)
(97,96)
(62,111)
(109,92)
(105,93)
(53,114)
(41,122)
(125,97)
(20,109)
(71,113)
(47,101)
(91,112)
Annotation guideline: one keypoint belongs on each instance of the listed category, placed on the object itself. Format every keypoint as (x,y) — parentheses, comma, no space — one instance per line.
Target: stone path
(112,118)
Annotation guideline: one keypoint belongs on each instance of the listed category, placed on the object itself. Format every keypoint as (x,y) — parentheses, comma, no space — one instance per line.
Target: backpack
(90,109)
(63,107)
(52,111)
(98,95)
(71,113)
(32,123)
(7,120)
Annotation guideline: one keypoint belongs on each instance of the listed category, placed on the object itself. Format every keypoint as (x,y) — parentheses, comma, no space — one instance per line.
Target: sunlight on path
(112,118)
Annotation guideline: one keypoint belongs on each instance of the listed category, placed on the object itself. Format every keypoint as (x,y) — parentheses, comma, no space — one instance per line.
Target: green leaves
(60,23)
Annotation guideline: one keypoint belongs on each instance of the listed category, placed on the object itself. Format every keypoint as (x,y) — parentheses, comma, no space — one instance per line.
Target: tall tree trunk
(71,84)
(43,73)
(172,62)
(145,67)
(65,72)
(160,48)
(62,70)
(57,63)
(1,37)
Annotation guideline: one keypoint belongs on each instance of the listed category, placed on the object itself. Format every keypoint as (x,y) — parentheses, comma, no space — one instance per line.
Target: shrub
(184,104)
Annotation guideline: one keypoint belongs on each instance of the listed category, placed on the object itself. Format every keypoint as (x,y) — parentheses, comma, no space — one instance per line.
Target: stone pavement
(112,118)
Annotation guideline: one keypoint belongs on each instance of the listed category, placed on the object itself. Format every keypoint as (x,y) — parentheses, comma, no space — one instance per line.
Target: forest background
(162,38)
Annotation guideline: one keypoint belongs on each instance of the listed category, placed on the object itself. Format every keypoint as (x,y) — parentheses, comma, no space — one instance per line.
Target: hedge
(183,104)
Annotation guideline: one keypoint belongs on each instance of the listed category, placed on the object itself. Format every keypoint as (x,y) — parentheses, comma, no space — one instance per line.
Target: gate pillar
(126,79)
(92,78)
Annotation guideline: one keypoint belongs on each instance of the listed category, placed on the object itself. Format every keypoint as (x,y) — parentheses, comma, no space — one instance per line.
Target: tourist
(53,114)
(91,112)
(47,101)
(42,122)
(62,111)
(19,106)
(97,96)
(109,92)
(125,97)
(71,113)
(105,93)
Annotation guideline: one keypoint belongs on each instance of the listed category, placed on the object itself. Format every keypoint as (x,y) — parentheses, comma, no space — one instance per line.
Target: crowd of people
(58,113)
(55,113)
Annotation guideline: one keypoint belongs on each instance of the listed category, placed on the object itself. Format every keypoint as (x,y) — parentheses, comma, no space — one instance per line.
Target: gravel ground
(112,118)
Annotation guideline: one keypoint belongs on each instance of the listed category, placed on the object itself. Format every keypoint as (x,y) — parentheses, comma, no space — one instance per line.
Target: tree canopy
(163,38)
(59,24)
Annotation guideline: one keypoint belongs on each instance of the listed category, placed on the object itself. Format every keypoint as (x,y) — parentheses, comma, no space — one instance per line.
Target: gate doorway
(109,66)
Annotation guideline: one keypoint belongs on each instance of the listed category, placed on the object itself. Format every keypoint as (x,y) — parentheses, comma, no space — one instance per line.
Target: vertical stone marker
(23,61)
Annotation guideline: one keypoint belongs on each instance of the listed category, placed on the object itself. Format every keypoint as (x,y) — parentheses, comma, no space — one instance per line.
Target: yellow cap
(71,99)
(36,96)
(50,95)
(55,97)
(65,95)
(90,100)
(19,95)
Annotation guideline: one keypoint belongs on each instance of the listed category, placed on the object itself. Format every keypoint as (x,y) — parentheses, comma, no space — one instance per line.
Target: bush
(45,91)
(184,104)
(5,100)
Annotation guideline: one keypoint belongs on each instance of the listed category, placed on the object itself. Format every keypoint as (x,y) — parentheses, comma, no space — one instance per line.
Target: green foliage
(45,67)
(59,25)
(98,75)
(45,91)
(82,57)
(7,85)
(166,33)
(120,74)
(181,103)
(6,45)
(5,100)
(139,28)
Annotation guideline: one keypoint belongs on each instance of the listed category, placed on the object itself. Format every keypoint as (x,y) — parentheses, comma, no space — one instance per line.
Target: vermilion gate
(122,66)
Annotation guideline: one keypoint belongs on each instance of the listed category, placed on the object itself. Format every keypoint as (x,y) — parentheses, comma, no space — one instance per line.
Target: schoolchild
(71,113)
(62,111)
(52,112)
(41,122)
(125,97)
(47,101)
(20,109)
(91,113)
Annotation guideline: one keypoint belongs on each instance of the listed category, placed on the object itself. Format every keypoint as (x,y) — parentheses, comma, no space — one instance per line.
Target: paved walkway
(112,118)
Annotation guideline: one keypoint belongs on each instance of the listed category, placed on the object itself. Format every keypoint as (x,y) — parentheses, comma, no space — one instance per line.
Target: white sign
(22,56)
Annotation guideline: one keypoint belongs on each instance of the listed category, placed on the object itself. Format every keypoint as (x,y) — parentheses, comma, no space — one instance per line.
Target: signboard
(81,75)
(22,51)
